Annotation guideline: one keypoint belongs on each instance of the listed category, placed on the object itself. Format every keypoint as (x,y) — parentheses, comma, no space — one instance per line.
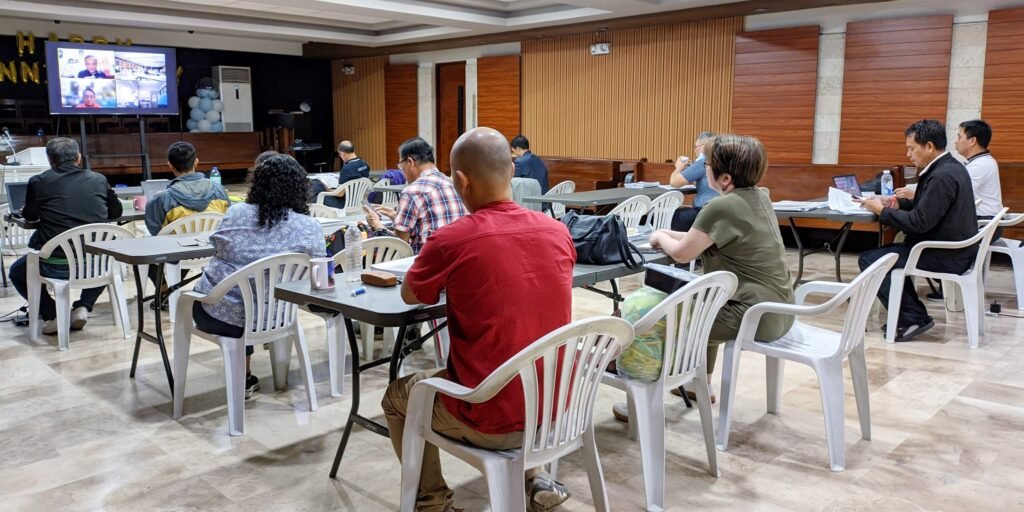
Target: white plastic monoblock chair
(323,211)
(565,187)
(573,359)
(85,270)
(689,314)
(203,222)
(662,210)
(632,210)
(389,199)
(14,239)
(267,320)
(355,193)
(375,250)
(1015,250)
(970,283)
(821,349)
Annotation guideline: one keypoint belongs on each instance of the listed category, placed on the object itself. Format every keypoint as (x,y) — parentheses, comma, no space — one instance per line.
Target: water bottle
(215,176)
(40,133)
(886,184)
(353,251)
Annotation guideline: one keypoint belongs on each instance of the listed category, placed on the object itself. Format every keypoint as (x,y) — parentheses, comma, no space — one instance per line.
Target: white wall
(149,37)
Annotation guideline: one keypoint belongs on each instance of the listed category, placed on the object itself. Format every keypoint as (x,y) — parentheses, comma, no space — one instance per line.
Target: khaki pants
(434,494)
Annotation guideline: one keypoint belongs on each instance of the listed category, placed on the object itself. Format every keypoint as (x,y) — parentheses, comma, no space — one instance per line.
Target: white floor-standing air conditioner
(235,84)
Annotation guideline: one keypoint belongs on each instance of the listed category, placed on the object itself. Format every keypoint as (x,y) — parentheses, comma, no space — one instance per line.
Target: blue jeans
(47,307)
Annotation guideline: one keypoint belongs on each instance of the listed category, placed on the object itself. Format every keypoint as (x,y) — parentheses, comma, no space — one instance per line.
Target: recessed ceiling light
(759,10)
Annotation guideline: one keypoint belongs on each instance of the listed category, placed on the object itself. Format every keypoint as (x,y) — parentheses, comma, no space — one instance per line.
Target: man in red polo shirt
(507,272)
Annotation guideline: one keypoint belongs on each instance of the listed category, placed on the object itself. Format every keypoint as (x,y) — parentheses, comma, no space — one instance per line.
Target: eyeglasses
(400,163)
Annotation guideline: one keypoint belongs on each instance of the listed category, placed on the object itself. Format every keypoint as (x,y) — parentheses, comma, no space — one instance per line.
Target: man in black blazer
(529,165)
(942,210)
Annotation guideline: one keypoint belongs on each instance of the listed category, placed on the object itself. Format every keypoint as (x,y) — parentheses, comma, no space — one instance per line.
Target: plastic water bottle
(215,176)
(353,251)
(886,183)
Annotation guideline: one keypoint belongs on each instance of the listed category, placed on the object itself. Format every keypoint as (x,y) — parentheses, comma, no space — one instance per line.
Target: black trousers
(208,324)
(912,310)
(682,219)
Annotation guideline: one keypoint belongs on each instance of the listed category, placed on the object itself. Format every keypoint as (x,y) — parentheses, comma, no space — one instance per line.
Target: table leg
(845,230)
(2,266)
(354,411)
(396,355)
(140,329)
(800,250)
(157,338)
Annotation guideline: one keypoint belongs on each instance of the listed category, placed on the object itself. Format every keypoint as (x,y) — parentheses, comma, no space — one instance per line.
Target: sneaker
(935,297)
(79,317)
(252,385)
(50,327)
(545,493)
(621,412)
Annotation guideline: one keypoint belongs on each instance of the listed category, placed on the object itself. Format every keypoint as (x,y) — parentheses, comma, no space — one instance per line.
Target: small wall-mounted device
(348,69)
(600,48)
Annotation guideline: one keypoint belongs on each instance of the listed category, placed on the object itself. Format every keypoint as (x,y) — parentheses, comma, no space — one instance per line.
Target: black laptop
(847,183)
(16,195)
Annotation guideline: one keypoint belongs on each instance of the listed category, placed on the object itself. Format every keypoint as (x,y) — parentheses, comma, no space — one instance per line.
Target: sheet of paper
(841,201)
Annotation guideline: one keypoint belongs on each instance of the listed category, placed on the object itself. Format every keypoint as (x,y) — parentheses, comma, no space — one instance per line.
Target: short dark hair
(978,129)
(88,89)
(739,156)
(927,130)
(262,157)
(520,142)
(60,150)
(705,136)
(182,156)
(279,186)
(418,149)
(346,148)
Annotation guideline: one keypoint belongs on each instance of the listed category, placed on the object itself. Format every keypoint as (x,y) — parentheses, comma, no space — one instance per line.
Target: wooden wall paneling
(658,87)
(498,94)
(401,109)
(450,78)
(896,72)
(774,90)
(1003,98)
(359,110)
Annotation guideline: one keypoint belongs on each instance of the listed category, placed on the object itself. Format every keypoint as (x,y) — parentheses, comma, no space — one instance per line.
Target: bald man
(352,168)
(507,272)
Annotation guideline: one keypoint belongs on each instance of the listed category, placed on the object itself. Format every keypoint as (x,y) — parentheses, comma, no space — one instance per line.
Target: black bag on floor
(602,240)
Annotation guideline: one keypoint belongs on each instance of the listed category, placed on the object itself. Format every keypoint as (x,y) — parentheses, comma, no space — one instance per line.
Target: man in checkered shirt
(427,204)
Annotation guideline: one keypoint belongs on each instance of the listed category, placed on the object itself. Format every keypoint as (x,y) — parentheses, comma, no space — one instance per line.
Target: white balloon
(204,125)
(212,116)
(218,106)
(193,102)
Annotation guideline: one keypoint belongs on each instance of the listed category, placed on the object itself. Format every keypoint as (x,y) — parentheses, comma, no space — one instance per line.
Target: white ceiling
(352,22)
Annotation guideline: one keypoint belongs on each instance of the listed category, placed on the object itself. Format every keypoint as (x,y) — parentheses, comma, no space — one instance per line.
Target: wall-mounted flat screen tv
(106,79)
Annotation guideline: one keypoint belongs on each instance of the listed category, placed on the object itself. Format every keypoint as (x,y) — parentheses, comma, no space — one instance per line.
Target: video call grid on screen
(110,79)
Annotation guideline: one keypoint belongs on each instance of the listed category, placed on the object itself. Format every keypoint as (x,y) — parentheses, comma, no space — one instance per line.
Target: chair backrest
(13,238)
(321,211)
(85,269)
(663,208)
(565,187)
(984,239)
(265,315)
(632,210)
(689,314)
(389,199)
(355,193)
(1010,220)
(202,222)
(860,295)
(377,250)
(561,371)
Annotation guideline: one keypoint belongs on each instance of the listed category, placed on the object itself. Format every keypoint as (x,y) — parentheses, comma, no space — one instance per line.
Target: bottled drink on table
(887,190)
(353,251)
(215,175)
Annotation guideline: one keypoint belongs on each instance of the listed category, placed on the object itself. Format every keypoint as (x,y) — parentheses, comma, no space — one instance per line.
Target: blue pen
(359,291)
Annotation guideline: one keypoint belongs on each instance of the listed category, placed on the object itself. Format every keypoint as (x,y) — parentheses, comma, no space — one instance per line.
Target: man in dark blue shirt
(90,70)
(352,168)
(529,165)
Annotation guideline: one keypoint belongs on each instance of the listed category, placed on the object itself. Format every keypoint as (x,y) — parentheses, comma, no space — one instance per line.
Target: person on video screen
(88,100)
(90,70)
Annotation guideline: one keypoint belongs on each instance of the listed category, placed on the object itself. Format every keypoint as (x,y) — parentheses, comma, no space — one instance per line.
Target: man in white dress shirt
(972,142)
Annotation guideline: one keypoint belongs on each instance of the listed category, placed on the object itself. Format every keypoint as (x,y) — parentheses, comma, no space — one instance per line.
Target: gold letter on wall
(26,43)
(9,71)
(30,73)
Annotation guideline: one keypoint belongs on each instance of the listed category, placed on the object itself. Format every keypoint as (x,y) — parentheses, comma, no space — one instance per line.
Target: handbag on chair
(602,240)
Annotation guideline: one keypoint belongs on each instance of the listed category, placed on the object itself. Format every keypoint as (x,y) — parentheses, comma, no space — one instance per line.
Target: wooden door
(451,110)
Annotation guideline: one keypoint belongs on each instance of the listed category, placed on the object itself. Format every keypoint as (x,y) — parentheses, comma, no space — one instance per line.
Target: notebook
(16,195)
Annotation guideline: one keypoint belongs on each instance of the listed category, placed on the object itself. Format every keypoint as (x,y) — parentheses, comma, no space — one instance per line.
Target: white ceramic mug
(321,273)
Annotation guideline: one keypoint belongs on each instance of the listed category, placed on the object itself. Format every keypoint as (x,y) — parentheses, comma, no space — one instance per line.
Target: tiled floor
(77,434)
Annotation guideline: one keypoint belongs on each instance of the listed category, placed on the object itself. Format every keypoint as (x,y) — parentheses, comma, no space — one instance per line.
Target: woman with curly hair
(273,220)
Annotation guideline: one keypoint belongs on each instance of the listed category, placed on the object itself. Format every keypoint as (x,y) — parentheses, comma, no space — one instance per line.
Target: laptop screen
(16,195)
(847,183)
(150,188)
